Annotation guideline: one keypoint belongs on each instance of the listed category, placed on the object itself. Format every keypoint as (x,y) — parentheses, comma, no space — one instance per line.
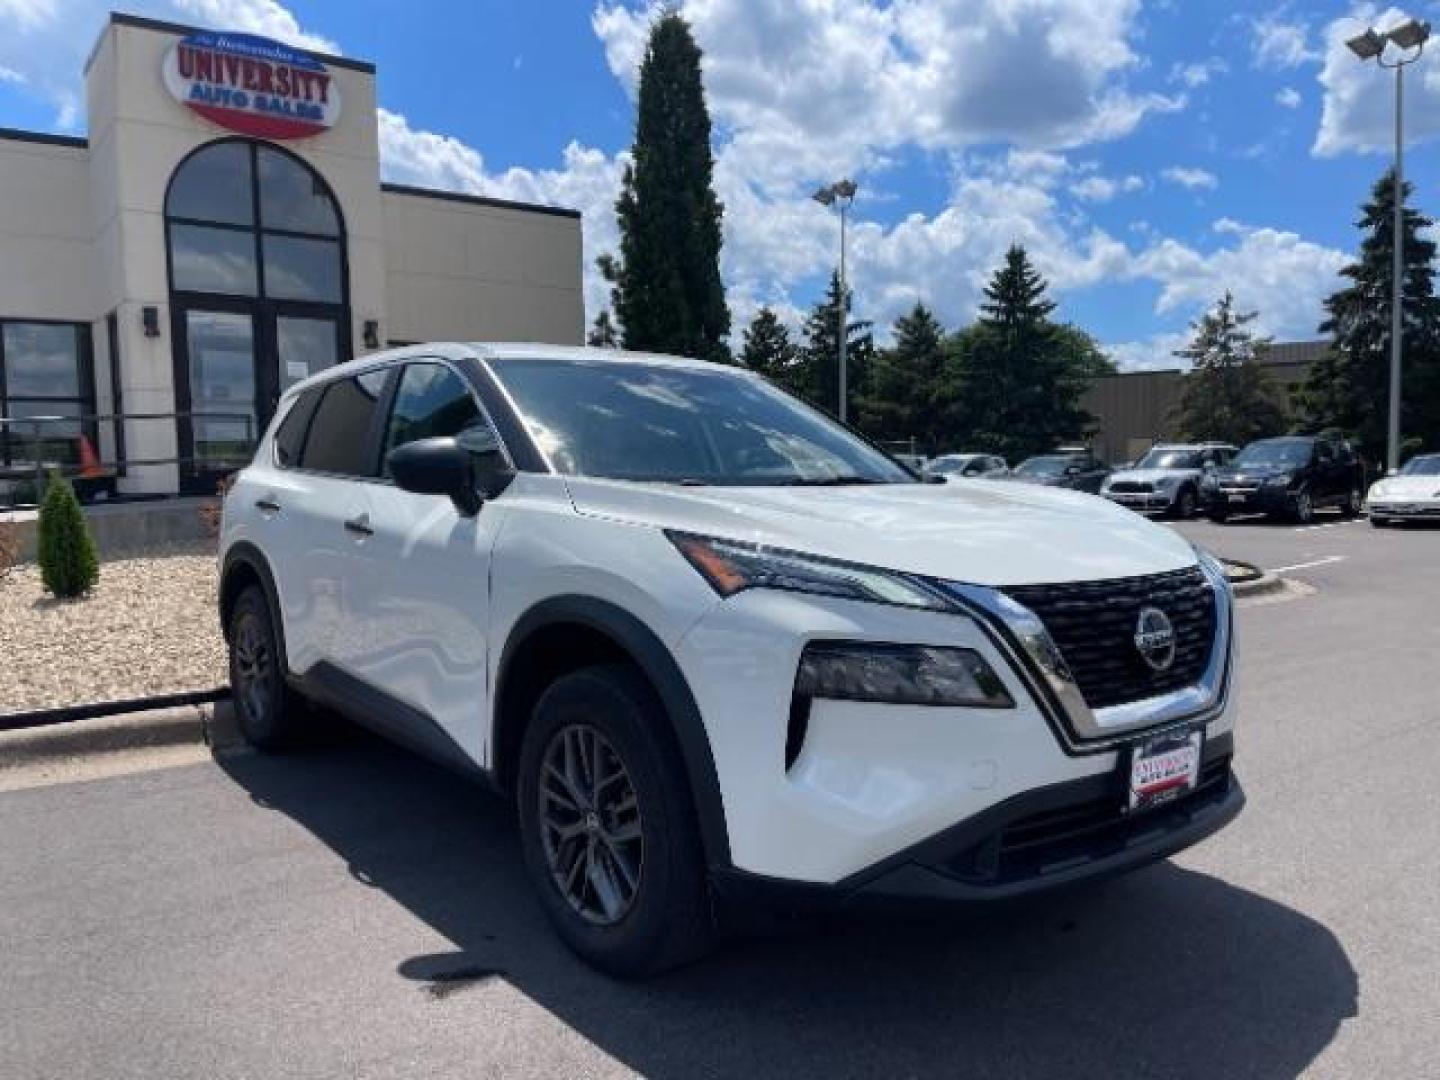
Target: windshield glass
(1275,453)
(1422,466)
(1170,459)
(949,464)
(1042,466)
(635,421)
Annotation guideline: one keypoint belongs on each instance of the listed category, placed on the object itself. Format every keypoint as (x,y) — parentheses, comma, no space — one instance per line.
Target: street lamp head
(1366,46)
(846,189)
(1409,34)
(825,196)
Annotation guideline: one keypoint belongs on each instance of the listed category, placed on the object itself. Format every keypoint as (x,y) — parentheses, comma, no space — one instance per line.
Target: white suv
(717,647)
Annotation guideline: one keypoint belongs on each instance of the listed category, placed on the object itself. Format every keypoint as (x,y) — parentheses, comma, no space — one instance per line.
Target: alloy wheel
(1304,507)
(590,826)
(254,670)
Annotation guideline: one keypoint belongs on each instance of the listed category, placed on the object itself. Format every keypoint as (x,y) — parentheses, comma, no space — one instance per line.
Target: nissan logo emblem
(1155,638)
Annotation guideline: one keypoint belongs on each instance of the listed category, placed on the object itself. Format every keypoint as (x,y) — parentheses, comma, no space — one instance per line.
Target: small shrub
(9,548)
(69,565)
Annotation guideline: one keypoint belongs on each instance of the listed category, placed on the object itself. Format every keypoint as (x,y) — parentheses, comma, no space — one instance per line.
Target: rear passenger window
(339,435)
(431,401)
(292,428)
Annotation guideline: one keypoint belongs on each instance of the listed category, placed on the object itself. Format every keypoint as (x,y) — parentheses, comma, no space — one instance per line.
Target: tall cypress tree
(1017,376)
(819,378)
(668,294)
(1227,395)
(1349,387)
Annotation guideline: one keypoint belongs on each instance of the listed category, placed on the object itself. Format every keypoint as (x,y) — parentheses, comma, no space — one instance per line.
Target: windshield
(1422,466)
(635,421)
(1042,466)
(1275,453)
(1170,459)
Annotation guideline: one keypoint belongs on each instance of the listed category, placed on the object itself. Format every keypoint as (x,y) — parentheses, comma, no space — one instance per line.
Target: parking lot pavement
(352,912)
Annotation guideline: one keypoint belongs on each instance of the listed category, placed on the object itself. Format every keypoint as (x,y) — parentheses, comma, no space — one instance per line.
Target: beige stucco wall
(46,237)
(469,271)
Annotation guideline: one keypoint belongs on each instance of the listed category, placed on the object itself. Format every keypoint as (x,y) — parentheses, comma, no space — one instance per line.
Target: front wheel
(1380,523)
(1184,508)
(1304,512)
(1219,515)
(1351,506)
(608,827)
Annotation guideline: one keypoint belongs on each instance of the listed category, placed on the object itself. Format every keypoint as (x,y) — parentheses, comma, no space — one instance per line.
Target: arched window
(248,219)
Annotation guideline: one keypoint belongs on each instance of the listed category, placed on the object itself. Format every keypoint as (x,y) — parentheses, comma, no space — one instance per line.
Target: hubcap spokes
(590,825)
(252,667)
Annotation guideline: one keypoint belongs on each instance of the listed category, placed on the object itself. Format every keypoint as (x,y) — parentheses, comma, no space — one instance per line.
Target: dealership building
(220,233)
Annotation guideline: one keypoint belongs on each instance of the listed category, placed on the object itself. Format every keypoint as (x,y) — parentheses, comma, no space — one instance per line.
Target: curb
(1260,586)
(209,725)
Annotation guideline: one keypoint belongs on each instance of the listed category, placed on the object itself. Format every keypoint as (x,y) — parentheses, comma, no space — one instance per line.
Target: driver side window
(431,401)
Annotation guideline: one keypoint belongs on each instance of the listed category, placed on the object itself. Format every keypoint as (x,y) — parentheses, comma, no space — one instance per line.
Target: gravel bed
(148,628)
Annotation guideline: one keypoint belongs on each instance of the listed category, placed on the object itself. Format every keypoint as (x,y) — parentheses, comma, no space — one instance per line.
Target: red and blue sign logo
(252,85)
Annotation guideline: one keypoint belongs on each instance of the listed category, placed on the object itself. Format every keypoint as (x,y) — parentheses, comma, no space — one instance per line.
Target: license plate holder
(1163,768)
(1237,496)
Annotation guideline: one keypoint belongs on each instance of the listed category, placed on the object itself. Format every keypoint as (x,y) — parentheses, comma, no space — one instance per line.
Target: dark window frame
(18,437)
(369,443)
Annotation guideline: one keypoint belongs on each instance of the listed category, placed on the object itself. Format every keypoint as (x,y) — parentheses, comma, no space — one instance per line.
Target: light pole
(840,194)
(1410,38)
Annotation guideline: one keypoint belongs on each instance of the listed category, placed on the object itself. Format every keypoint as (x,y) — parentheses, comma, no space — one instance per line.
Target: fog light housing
(899,675)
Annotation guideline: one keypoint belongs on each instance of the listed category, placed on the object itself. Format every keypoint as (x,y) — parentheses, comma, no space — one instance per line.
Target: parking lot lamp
(841,195)
(1409,38)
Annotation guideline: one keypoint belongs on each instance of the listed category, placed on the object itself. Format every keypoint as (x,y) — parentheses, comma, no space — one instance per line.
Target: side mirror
(467,469)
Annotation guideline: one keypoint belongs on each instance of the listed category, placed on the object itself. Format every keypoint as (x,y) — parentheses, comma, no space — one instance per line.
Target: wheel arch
(244,565)
(564,633)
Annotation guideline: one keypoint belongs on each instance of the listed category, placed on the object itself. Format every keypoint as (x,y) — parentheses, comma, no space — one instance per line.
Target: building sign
(252,85)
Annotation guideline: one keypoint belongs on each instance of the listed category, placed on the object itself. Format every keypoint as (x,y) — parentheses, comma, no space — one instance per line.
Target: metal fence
(34,447)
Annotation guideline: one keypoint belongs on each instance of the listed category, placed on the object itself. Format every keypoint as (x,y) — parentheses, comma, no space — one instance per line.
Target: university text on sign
(252,85)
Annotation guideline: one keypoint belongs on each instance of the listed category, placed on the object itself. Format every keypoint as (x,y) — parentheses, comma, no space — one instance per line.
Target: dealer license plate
(1163,769)
(1237,496)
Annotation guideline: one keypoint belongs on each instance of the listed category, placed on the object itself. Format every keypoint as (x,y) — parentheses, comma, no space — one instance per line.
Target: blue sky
(1150,154)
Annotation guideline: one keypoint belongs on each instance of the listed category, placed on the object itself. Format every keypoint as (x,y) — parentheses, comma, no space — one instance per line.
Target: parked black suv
(1069,467)
(1291,476)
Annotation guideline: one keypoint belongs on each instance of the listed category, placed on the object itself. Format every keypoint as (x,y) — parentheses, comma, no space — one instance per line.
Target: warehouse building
(220,233)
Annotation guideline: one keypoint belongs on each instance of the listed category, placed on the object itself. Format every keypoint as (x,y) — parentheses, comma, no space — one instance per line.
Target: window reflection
(204,259)
(302,269)
(214,185)
(293,197)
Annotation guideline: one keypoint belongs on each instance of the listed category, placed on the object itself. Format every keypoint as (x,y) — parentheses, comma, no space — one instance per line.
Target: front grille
(1093,623)
(1058,839)
(1131,487)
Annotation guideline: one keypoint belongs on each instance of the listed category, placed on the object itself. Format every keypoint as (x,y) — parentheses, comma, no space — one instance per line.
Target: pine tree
(1016,377)
(818,381)
(1348,388)
(769,350)
(603,334)
(1227,396)
(668,293)
(906,399)
(69,566)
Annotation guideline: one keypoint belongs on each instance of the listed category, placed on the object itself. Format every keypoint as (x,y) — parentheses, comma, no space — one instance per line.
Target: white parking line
(1327,525)
(1307,565)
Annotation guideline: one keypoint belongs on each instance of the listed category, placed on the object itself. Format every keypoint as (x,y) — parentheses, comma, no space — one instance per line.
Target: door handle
(359,526)
(270,506)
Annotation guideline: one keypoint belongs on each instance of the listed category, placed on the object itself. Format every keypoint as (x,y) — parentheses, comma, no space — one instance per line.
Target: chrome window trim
(1101,728)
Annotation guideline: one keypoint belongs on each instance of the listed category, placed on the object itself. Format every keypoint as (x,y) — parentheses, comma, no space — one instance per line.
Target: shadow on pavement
(1166,973)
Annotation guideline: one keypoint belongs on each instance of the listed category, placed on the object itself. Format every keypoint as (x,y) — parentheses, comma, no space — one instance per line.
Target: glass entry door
(238,359)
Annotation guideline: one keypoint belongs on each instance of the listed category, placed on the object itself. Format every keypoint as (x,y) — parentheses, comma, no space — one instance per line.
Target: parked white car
(968,467)
(1411,495)
(717,648)
(1168,479)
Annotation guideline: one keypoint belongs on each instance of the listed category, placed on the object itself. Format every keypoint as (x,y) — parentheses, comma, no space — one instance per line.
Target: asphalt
(352,912)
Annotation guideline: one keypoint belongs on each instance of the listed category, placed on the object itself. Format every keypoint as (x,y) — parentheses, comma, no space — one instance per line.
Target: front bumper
(1258,500)
(1042,840)
(1146,502)
(1400,510)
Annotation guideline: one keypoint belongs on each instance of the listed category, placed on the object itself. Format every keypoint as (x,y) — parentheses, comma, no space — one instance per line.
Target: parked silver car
(968,467)
(1167,480)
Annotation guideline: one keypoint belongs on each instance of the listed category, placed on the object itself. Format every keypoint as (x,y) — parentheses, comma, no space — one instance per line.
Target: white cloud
(1358,109)
(1156,353)
(1288,97)
(1197,73)
(27,14)
(265,17)
(1190,179)
(1279,40)
(1098,188)
(11,76)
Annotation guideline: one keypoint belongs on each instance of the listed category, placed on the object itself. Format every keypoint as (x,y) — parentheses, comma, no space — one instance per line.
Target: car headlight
(1283,480)
(899,675)
(731,566)
(1379,491)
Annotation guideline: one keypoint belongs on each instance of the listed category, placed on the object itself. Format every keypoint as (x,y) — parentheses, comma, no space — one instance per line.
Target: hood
(998,533)
(1150,476)
(1406,487)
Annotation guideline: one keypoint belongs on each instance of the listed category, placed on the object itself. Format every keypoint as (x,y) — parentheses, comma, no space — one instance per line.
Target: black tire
(1185,501)
(1350,506)
(268,714)
(1219,517)
(1380,523)
(667,920)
